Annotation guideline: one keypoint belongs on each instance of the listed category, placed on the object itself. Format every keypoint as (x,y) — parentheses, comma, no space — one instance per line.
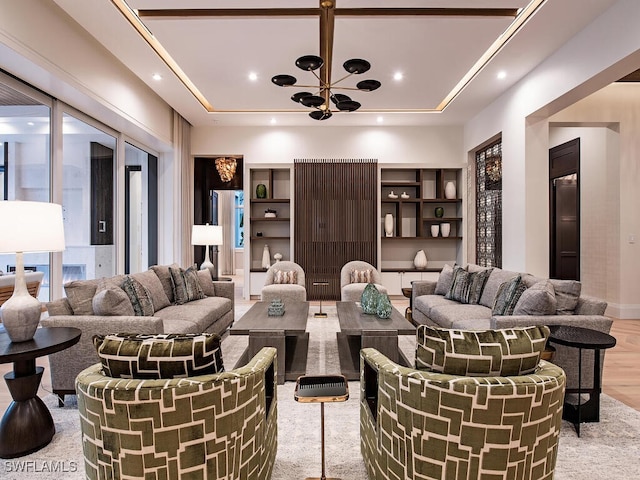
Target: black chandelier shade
(322,99)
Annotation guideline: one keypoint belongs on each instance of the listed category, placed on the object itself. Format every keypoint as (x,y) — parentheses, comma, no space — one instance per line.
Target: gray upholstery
(283,291)
(351,292)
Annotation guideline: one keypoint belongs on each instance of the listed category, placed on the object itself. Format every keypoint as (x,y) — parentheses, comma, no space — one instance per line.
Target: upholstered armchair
(284,281)
(354,276)
(418,424)
(221,425)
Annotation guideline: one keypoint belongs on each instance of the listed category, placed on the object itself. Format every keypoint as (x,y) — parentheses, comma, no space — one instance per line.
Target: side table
(320,314)
(321,389)
(407,292)
(583,338)
(27,424)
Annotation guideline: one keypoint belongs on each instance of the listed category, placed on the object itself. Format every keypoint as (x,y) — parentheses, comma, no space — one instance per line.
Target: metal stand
(320,314)
(322,475)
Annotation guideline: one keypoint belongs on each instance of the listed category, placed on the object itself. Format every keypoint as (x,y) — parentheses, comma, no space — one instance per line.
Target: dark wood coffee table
(27,424)
(286,333)
(359,330)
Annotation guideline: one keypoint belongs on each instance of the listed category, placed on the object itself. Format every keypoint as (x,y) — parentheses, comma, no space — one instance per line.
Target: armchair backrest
(345,272)
(284,266)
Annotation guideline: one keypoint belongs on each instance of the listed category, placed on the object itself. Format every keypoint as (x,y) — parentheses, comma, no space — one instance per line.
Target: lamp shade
(31,227)
(206,235)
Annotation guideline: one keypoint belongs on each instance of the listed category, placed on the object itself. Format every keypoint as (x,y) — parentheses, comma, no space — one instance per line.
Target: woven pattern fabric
(286,277)
(505,352)
(138,296)
(111,300)
(221,426)
(159,356)
(360,276)
(538,299)
(186,286)
(466,287)
(444,280)
(508,295)
(417,425)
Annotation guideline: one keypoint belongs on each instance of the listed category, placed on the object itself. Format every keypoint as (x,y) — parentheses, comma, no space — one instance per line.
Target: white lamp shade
(206,235)
(31,227)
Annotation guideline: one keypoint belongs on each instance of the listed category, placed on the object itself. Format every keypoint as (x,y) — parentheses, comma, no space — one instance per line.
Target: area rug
(609,449)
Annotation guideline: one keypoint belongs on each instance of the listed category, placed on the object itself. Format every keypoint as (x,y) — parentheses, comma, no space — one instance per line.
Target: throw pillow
(508,295)
(111,300)
(288,277)
(504,352)
(154,287)
(80,295)
(567,295)
(144,356)
(163,274)
(467,287)
(538,299)
(206,283)
(186,287)
(444,280)
(360,276)
(138,296)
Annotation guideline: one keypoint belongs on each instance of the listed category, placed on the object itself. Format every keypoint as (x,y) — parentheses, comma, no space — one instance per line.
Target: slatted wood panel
(335,219)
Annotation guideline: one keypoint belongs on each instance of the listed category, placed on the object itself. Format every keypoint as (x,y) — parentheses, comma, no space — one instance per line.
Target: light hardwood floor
(620,380)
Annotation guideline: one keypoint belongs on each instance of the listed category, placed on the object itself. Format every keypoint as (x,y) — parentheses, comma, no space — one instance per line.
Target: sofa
(534,301)
(173,300)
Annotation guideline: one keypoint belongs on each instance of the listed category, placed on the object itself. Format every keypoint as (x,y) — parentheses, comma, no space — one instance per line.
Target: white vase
(434,230)
(420,260)
(450,190)
(388,225)
(445,228)
(266,257)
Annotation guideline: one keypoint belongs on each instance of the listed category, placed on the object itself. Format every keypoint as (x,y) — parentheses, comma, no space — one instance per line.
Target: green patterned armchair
(416,424)
(215,426)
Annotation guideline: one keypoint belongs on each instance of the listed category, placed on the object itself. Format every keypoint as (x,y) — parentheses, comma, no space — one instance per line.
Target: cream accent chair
(284,291)
(351,292)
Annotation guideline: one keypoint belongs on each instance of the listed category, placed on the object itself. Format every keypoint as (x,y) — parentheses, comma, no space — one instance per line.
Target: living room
(568,94)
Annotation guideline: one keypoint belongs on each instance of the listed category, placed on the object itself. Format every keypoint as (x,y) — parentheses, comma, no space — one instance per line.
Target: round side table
(27,424)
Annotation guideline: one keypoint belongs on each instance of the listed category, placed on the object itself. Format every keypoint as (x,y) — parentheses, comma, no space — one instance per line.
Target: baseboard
(623,311)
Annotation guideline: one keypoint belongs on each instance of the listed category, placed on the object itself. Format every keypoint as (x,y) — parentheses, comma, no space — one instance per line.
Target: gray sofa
(212,314)
(431,307)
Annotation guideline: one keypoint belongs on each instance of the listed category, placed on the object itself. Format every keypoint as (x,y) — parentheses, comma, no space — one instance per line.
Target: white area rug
(609,449)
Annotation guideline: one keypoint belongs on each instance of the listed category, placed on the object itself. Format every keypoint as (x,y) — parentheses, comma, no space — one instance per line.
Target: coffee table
(286,333)
(359,330)
(27,424)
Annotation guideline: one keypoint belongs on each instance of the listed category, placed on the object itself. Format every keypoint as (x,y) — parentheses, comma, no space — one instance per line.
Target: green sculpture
(383,308)
(261,191)
(369,299)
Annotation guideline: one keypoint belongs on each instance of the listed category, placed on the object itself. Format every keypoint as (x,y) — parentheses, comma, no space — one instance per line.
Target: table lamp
(28,227)
(207,235)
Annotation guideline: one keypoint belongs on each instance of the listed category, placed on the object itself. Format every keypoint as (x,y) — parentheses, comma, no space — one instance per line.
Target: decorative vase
(420,260)
(261,191)
(266,257)
(434,230)
(383,307)
(369,299)
(439,212)
(450,190)
(445,229)
(388,225)
(277,257)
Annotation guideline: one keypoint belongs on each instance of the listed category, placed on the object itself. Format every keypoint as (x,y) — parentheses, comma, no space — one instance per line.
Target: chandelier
(324,95)
(226,168)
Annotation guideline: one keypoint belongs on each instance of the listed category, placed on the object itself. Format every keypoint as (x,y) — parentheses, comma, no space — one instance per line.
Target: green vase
(383,308)
(439,212)
(261,191)
(369,299)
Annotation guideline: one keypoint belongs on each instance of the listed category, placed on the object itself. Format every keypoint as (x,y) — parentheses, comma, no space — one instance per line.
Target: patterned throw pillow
(145,356)
(138,296)
(282,276)
(360,276)
(506,352)
(508,295)
(186,286)
(467,287)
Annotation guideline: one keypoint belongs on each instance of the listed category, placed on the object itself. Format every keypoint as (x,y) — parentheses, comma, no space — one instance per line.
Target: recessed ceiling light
(253,76)
(31,124)
(398,76)
(273,121)
(156,76)
(380,119)
(502,74)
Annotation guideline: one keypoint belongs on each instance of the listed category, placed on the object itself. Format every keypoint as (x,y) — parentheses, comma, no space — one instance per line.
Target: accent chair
(285,281)
(354,277)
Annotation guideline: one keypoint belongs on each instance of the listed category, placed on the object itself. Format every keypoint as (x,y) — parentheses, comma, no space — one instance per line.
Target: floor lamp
(207,235)
(29,227)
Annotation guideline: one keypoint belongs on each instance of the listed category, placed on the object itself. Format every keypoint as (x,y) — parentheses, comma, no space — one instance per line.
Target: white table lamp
(207,235)
(29,227)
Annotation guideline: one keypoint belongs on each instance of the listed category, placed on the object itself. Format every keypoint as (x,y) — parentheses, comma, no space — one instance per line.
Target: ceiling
(450,70)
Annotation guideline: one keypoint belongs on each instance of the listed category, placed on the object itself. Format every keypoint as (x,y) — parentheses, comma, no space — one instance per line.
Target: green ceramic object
(261,191)
(369,299)
(383,309)
(439,212)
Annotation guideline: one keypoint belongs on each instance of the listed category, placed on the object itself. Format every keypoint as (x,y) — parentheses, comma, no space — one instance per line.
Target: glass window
(239,219)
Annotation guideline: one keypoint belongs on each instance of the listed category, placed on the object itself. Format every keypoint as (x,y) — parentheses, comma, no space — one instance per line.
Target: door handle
(102,226)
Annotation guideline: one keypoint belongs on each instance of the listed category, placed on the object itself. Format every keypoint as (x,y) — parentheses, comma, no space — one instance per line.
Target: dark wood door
(101,194)
(564,204)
